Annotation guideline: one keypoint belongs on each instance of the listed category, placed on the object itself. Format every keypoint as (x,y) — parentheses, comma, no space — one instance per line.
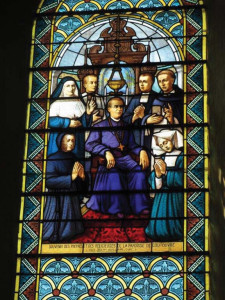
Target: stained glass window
(115,179)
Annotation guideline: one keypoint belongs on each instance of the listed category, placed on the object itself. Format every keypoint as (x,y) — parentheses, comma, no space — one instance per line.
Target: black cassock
(62,212)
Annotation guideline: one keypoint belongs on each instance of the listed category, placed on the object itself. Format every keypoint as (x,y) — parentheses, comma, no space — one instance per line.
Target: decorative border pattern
(195,280)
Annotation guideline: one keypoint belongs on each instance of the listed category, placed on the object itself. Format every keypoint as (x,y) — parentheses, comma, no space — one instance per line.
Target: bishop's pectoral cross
(121,147)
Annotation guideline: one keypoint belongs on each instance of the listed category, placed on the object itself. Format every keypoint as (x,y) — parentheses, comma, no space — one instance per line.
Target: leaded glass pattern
(114,258)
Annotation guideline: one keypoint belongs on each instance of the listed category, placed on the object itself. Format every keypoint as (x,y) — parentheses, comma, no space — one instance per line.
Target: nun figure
(68,111)
(166,222)
(66,182)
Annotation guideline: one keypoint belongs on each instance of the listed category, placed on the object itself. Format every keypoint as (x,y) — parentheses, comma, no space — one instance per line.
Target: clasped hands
(78,171)
(144,160)
(160,168)
(139,113)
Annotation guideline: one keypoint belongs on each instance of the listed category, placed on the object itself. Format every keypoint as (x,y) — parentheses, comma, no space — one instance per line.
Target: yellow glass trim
(141,1)
(93,17)
(207,297)
(74,16)
(206,235)
(157,280)
(185,33)
(172,10)
(171,1)
(171,280)
(205,78)
(132,295)
(103,262)
(207,281)
(139,262)
(40,6)
(174,26)
(30,83)
(180,1)
(62,33)
(205,101)
(173,296)
(185,277)
(100,279)
(82,263)
(17,283)
(21,208)
(136,279)
(79,277)
(66,6)
(32,46)
(118,262)
(18,265)
(153,262)
(38,278)
(112,1)
(204,51)
(85,296)
(47,263)
(52,283)
(16,296)
(206,172)
(207,266)
(19,243)
(60,4)
(169,295)
(204,21)
(82,2)
(143,14)
(48,296)
(105,277)
(68,263)
(52,40)
(207,204)
(176,263)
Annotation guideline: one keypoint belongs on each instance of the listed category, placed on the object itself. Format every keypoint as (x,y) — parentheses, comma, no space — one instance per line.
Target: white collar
(116,120)
(144,98)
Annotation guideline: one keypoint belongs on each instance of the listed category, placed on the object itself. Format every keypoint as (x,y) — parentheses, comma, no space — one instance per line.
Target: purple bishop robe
(123,188)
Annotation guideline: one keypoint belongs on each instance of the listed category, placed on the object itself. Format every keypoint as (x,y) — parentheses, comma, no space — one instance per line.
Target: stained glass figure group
(115,188)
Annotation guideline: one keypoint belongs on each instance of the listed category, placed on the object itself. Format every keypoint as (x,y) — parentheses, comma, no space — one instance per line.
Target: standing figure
(170,93)
(166,221)
(68,111)
(168,105)
(90,97)
(67,181)
(120,185)
(141,105)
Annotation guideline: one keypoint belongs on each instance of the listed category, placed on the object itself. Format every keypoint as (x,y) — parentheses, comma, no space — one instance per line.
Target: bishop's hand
(110,160)
(144,160)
